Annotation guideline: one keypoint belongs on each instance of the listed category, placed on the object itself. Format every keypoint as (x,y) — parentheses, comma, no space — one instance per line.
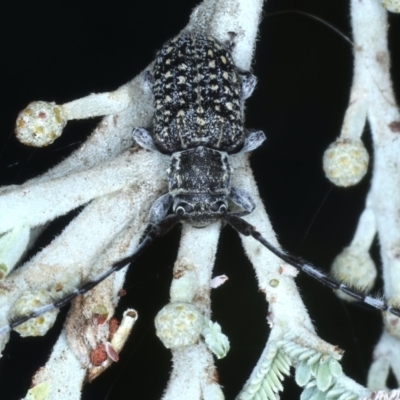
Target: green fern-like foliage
(266,381)
(317,373)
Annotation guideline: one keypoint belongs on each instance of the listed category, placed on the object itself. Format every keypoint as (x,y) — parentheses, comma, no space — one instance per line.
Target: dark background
(60,53)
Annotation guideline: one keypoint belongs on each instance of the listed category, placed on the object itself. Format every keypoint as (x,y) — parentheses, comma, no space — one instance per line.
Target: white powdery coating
(355,116)
(392,324)
(62,377)
(114,133)
(385,357)
(13,245)
(193,367)
(179,325)
(286,307)
(372,87)
(373,64)
(193,267)
(384,395)
(36,203)
(366,228)
(213,391)
(287,313)
(99,104)
(83,336)
(345,162)
(65,262)
(40,124)
(193,374)
(185,286)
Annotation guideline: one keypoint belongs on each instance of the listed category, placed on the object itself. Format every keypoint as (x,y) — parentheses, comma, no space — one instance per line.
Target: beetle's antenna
(247,229)
(314,17)
(152,232)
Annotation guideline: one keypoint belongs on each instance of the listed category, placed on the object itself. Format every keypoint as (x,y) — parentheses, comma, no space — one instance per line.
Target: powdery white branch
(63,371)
(385,356)
(384,395)
(75,189)
(193,371)
(114,133)
(372,99)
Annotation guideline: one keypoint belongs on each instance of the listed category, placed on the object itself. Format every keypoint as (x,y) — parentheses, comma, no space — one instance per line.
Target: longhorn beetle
(198,97)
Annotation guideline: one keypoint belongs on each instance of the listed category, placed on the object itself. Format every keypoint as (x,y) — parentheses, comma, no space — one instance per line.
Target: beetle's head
(199,181)
(200,209)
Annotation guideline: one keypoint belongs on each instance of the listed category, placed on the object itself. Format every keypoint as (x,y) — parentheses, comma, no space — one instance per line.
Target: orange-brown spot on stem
(98,355)
(113,326)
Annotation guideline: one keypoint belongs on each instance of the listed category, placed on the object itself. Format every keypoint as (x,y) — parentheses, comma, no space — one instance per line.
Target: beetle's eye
(183,208)
(218,206)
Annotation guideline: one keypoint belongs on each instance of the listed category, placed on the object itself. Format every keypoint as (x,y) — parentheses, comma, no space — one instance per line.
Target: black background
(60,53)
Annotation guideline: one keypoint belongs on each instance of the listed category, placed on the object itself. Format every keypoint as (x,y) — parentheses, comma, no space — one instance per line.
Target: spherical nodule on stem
(392,5)
(354,266)
(345,162)
(40,124)
(391,321)
(29,302)
(179,325)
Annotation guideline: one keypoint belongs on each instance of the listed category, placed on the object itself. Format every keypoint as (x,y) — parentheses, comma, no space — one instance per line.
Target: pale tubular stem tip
(98,104)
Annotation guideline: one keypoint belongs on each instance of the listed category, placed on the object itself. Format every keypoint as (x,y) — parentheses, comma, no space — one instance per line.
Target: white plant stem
(372,100)
(372,85)
(76,189)
(193,367)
